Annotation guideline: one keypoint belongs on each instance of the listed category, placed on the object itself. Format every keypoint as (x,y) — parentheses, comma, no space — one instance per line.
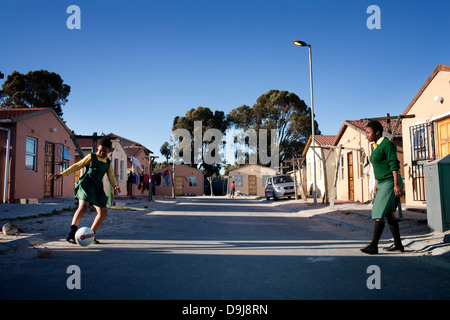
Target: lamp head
(300,43)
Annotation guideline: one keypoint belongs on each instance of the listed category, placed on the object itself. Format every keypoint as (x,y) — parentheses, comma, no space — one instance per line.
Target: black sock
(395,230)
(377,232)
(73,230)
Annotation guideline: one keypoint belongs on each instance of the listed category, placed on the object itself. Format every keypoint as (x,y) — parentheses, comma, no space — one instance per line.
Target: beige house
(427,134)
(325,160)
(353,181)
(138,166)
(250,179)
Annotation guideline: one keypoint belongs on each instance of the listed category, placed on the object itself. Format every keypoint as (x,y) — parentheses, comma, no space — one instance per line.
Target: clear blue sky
(135,65)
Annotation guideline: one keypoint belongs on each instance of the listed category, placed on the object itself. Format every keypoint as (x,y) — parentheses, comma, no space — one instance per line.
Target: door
(252,185)
(179,186)
(443,137)
(351,190)
(52,163)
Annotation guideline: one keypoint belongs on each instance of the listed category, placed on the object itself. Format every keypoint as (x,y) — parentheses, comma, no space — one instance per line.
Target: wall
(31,184)
(322,168)
(425,109)
(119,155)
(354,139)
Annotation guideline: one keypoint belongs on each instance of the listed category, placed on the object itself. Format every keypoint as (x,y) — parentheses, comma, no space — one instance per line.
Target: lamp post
(304,44)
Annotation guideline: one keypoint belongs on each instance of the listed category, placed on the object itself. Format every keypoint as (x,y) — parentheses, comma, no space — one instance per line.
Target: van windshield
(282,179)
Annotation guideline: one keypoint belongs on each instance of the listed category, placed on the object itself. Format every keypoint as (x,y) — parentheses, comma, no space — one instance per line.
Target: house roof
(17,114)
(441,67)
(133,151)
(321,140)
(125,141)
(85,142)
(361,126)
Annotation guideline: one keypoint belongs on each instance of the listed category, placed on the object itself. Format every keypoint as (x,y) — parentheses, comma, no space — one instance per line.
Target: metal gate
(422,152)
(52,165)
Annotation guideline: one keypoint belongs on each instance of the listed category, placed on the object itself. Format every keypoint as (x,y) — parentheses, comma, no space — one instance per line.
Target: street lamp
(304,44)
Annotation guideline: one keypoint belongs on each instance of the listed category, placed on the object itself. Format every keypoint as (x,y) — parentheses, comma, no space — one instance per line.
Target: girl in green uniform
(388,191)
(89,188)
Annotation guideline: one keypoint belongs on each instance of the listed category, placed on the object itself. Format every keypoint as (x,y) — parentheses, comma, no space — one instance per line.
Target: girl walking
(89,188)
(388,191)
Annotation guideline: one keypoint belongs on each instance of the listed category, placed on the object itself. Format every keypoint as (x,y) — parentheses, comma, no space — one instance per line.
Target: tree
(166,151)
(280,110)
(210,120)
(36,89)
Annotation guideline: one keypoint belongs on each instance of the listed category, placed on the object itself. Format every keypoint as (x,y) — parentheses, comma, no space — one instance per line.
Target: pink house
(188,181)
(34,143)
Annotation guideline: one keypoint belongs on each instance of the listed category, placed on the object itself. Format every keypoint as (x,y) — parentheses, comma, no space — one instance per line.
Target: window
(65,157)
(310,172)
(361,162)
(165,179)
(122,170)
(320,169)
(30,154)
(193,181)
(239,181)
(341,167)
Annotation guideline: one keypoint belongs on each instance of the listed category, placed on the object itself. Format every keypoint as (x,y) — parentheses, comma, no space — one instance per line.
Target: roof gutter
(5,183)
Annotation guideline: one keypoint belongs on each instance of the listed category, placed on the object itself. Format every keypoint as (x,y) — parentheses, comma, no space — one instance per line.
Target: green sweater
(384,160)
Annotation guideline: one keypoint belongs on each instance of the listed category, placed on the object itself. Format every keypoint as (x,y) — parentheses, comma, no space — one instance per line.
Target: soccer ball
(84,236)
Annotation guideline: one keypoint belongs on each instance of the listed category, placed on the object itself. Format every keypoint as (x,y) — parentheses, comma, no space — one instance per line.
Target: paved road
(202,248)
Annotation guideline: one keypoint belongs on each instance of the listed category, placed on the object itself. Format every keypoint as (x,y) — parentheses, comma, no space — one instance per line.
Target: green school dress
(90,186)
(384,161)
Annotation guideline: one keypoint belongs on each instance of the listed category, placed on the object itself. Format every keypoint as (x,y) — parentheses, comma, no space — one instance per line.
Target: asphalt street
(221,249)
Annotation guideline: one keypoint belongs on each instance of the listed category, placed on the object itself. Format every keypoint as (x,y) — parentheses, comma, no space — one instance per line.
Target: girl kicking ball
(89,188)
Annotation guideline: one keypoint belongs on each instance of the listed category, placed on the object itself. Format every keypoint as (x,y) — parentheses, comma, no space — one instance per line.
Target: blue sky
(135,65)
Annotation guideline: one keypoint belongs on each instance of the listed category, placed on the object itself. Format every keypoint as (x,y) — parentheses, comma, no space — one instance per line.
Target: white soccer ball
(84,236)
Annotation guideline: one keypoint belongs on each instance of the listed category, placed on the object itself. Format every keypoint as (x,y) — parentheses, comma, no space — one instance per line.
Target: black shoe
(71,237)
(96,241)
(394,247)
(71,240)
(370,250)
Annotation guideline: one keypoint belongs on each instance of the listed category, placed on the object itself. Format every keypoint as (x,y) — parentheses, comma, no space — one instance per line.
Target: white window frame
(29,154)
(239,181)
